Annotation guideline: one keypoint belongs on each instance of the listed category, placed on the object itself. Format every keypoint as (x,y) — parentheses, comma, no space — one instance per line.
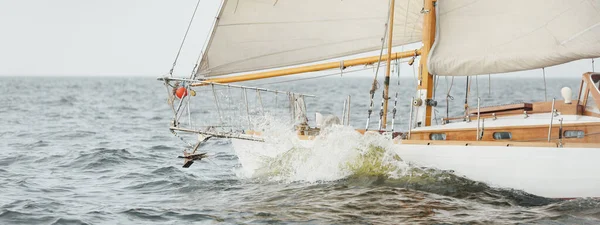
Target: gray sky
(100,37)
(122,37)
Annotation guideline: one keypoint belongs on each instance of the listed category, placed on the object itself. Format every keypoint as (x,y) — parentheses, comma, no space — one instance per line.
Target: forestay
(263,34)
(497,36)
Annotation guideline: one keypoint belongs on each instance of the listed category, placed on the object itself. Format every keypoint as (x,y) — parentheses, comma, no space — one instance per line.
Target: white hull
(547,172)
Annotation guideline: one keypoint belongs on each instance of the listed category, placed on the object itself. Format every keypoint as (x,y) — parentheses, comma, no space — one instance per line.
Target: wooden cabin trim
(562,107)
(482,143)
(531,108)
(591,89)
(500,143)
(580,90)
(525,133)
(576,108)
(588,113)
(504,127)
(502,108)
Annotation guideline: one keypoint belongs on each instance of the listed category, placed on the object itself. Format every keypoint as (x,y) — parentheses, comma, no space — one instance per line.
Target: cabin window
(596,80)
(574,134)
(591,104)
(437,136)
(502,135)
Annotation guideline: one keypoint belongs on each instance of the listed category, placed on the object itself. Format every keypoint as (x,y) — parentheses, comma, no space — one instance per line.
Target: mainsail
(498,36)
(263,34)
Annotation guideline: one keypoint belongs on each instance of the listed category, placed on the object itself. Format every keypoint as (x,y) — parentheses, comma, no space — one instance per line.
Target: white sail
(497,36)
(261,34)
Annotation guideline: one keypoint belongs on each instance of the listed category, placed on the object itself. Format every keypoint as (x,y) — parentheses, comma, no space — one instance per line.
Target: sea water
(97,150)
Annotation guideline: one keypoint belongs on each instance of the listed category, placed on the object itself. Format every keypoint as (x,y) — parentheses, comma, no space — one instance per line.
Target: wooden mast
(310,68)
(386,82)
(425,78)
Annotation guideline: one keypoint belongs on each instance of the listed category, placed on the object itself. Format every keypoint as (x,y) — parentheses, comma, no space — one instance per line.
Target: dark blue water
(77,150)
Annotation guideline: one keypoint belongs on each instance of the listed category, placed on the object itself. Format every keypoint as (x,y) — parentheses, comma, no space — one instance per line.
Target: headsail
(263,34)
(497,36)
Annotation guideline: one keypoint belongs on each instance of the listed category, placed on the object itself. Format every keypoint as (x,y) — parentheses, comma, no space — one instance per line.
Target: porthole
(437,136)
(574,134)
(502,135)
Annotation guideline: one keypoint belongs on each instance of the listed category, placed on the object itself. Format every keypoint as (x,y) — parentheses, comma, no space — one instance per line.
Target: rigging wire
(436,82)
(490,84)
(206,40)
(477,85)
(375,84)
(184,37)
(545,91)
(398,67)
(448,96)
(305,78)
(189,102)
(468,88)
(315,77)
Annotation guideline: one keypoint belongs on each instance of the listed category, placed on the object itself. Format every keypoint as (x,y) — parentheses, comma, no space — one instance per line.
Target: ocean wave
(164,215)
(37,144)
(162,147)
(77,134)
(9,160)
(341,154)
(587,207)
(63,221)
(101,158)
(155,185)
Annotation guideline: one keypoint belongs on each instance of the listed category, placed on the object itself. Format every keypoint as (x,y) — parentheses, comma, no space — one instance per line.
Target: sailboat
(549,148)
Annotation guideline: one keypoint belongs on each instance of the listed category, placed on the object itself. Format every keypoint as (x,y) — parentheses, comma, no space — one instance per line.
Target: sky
(123,37)
(100,37)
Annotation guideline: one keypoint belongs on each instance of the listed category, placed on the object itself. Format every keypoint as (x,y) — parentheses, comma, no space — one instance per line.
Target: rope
(381,112)
(180,138)
(435,112)
(415,81)
(170,97)
(545,91)
(448,96)
(468,88)
(189,102)
(217,103)
(398,67)
(375,84)
(194,70)
(262,107)
(230,106)
(477,85)
(489,84)
(184,37)
(382,44)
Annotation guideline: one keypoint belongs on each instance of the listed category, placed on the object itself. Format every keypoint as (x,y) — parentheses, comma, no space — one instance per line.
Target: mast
(426,82)
(310,68)
(386,82)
